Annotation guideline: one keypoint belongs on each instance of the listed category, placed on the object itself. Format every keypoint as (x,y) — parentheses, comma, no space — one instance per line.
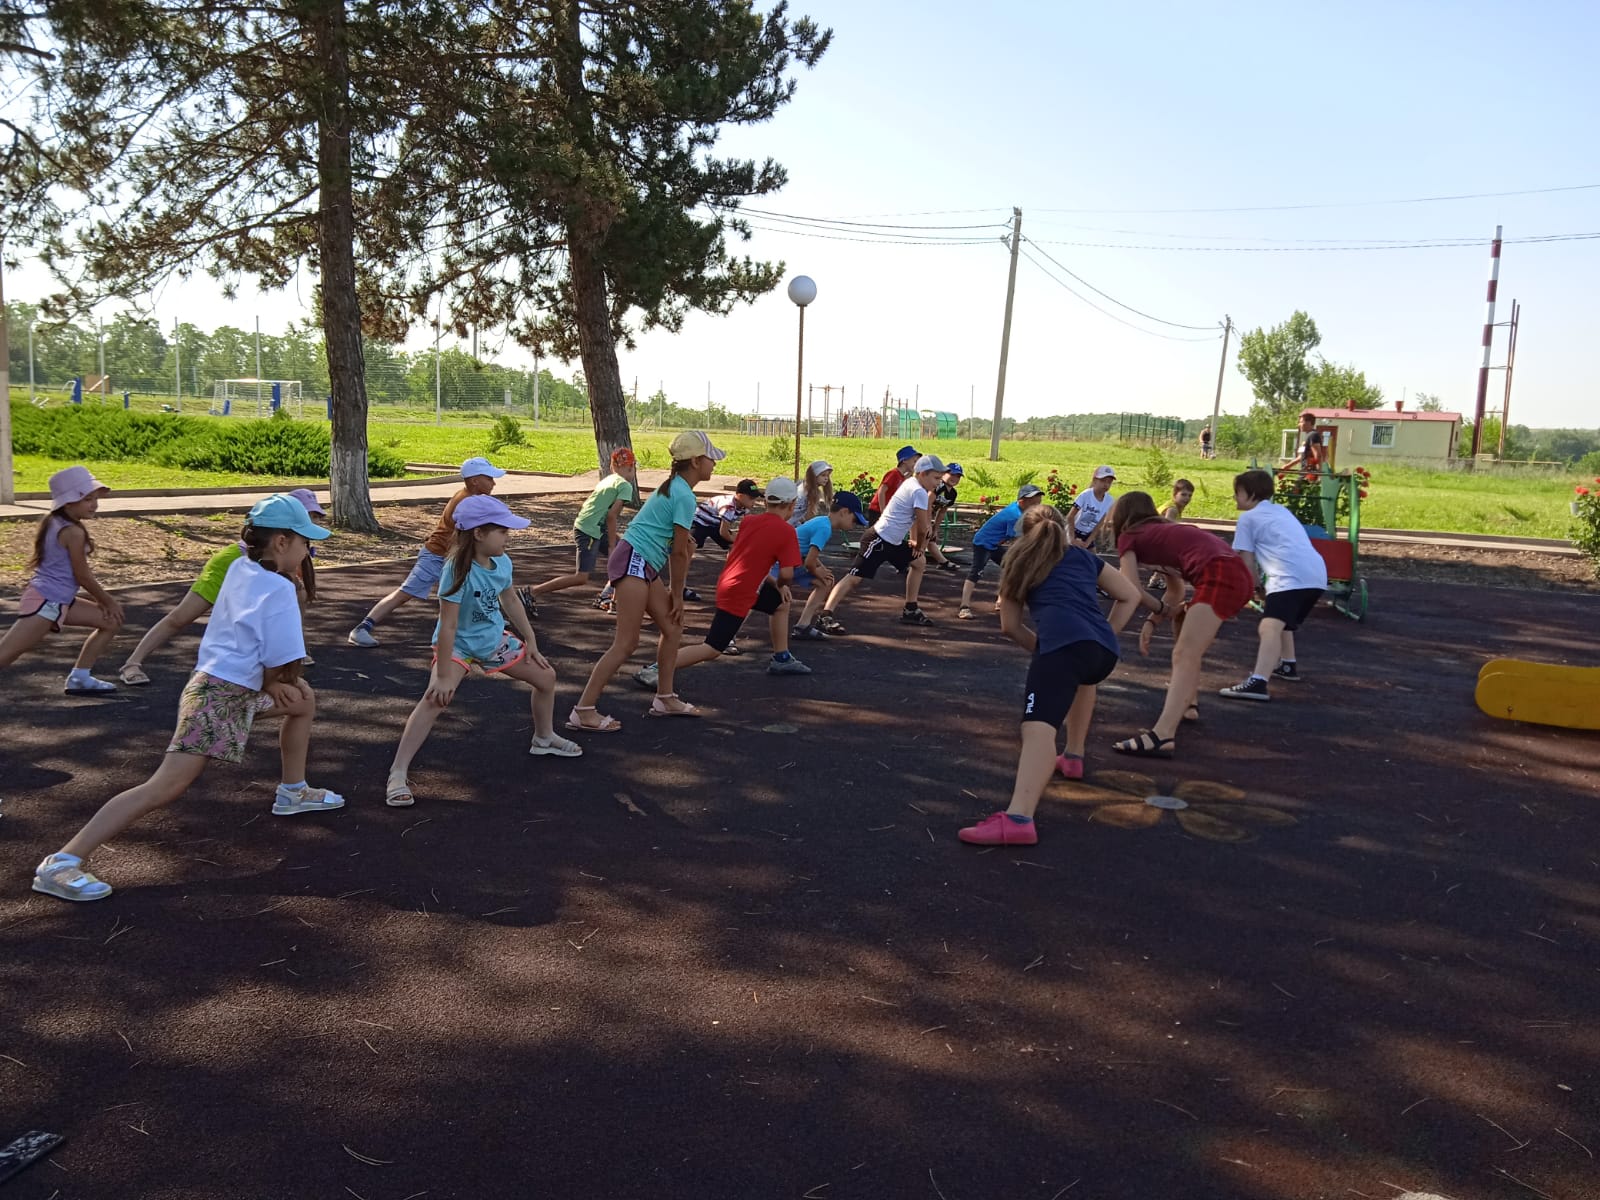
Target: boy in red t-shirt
(766,540)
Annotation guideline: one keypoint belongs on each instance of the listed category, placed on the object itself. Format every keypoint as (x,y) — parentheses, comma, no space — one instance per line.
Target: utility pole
(177,368)
(1005,336)
(100,341)
(258,366)
(1222,367)
(1488,345)
(1511,360)
(438,378)
(8,494)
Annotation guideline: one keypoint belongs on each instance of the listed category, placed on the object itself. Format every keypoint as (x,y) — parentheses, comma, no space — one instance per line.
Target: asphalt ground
(746,956)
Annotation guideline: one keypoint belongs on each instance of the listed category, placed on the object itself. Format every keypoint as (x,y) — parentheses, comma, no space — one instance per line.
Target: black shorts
(1292,607)
(980,559)
(704,533)
(879,552)
(1054,679)
(725,625)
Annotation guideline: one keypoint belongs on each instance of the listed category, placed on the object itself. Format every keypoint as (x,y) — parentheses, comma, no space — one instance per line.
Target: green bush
(506,432)
(95,432)
(1589,464)
(1586,522)
(1157,472)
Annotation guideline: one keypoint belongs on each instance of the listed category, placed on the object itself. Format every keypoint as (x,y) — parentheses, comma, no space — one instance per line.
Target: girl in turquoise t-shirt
(656,540)
(475,600)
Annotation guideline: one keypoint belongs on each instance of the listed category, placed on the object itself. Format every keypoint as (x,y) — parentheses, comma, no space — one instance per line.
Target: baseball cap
(1104,473)
(474,511)
(850,501)
(905,453)
(747,487)
(819,467)
(928,462)
(622,458)
(693,443)
(480,466)
(309,498)
(1029,489)
(283,511)
(955,469)
(782,489)
(73,483)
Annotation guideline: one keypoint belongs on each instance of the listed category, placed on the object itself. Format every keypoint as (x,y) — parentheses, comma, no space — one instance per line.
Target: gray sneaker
(286,803)
(648,677)
(789,666)
(63,876)
(361,636)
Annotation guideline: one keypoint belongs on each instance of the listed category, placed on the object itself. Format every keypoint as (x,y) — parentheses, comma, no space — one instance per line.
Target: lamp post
(802,290)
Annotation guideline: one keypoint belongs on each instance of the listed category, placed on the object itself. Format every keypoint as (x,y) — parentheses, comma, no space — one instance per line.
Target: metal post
(1488,344)
(1511,360)
(810,429)
(799,379)
(438,378)
(8,494)
(30,362)
(177,368)
(100,343)
(1222,367)
(258,366)
(1005,336)
(536,390)
(661,408)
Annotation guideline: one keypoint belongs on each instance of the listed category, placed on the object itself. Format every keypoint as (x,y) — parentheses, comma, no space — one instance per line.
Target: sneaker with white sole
(63,876)
(361,636)
(788,666)
(809,633)
(1251,689)
(1285,670)
(733,649)
(829,624)
(556,744)
(286,802)
(87,685)
(648,677)
(912,615)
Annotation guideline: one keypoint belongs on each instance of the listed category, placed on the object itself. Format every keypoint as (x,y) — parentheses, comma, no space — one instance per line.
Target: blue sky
(936,106)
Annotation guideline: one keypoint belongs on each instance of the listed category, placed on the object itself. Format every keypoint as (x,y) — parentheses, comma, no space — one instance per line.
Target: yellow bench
(1513,690)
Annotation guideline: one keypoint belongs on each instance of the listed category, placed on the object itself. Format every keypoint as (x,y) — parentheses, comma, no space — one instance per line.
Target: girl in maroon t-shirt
(1222,583)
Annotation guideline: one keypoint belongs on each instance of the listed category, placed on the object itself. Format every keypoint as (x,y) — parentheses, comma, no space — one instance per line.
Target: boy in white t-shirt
(1090,509)
(1272,541)
(903,532)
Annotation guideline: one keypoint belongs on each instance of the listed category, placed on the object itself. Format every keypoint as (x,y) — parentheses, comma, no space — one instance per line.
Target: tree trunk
(341,310)
(598,346)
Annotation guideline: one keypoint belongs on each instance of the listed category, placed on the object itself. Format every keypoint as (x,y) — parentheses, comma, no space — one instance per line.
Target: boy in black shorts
(903,532)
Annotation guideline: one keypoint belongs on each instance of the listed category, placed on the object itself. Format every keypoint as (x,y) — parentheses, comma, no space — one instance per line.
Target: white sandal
(557,745)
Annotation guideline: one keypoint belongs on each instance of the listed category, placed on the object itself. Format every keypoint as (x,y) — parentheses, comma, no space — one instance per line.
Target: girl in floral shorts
(249,665)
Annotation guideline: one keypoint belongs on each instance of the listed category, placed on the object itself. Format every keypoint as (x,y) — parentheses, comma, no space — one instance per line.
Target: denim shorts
(590,550)
(424,576)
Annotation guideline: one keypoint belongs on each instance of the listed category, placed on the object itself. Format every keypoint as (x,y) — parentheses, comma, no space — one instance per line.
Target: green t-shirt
(592,516)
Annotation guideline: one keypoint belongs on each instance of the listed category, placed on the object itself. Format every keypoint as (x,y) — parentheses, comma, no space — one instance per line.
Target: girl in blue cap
(249,666)
(476,599)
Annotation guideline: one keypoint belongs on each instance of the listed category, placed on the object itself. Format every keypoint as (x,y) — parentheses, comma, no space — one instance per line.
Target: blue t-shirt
(480,624)
(650,533)
(814,532)
(1066,606)
(1001,527)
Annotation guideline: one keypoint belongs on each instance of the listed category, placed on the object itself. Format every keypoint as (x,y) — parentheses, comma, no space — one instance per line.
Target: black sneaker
(1251,689)
(829,625)
(915,616)
(809,633)
(528,604)
(690,594)
(1286,671)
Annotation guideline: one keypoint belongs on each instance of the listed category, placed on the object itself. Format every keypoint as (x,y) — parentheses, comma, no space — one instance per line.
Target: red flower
(1597,479)
(1583,491)
(1363,493)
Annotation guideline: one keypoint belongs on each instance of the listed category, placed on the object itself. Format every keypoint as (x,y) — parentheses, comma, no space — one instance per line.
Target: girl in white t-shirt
(249,666)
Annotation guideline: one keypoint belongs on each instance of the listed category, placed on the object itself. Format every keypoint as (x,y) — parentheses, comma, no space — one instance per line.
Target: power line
(836,221)
(1113,299)
(1151,332)
(1450,244)
(1576,187)
(873,241)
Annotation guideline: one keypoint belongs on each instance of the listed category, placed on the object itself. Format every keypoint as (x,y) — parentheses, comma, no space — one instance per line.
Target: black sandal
(1145,744)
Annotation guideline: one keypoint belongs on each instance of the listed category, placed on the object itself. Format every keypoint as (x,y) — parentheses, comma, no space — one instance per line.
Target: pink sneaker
(997,829)
(1070,768)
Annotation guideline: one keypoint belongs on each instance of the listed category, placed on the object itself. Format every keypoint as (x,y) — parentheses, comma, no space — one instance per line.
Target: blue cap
(283,511)
(955,469)
(474,511)
(905,453)
(850,501)
(480,466)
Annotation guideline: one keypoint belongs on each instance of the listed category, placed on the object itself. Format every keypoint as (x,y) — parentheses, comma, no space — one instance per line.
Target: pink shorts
(33,604)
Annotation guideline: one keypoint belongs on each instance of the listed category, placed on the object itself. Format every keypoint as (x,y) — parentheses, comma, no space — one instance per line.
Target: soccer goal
(256,397)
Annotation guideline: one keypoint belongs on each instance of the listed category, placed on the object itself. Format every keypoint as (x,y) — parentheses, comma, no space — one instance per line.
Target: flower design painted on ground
(1214,811)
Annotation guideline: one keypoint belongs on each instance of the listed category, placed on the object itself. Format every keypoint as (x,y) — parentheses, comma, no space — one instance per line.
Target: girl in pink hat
(60,566)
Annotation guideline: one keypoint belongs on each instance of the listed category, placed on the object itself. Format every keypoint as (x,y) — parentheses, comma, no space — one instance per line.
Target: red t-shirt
(892,480)
(1188,548)
(765,539)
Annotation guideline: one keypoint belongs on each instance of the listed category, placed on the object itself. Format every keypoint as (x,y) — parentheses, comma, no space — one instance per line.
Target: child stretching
(816,494)
(992,538)
(475,601)
(844,512)
(657,536)
(1090,508)
(477,479)
(1073,648)
(595,530)
(202,595)
(902,537)
(60,566)
(1270,540)
(718,518)
(940,503)
(1222,586)
(766,542)
(249,666)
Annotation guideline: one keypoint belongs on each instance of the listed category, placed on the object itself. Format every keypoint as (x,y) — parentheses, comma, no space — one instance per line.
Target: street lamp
(802,290)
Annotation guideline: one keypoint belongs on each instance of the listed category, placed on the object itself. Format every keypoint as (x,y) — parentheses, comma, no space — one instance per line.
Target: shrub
(1023,479)
(1059,494)
(864,486)
(780,450)
(1157,471)
(95,432)
(1589,464)
(983,477)
(1586,523)
(506,432)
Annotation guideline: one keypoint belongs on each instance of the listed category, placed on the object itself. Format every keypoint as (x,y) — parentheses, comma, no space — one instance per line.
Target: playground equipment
(1567,697)
(1348,590)
(255,397)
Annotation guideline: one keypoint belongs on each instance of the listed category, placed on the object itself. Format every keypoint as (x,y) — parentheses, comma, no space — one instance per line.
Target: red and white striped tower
(1488,343)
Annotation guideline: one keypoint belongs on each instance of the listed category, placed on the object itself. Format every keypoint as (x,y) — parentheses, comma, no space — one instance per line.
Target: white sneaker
(87,685)
(557,745)
(648,677)
(62,875)
(361,636)
(307,799)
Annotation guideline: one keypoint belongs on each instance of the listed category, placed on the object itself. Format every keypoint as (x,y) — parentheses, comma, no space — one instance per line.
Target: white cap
(928,462)
(693,443)
(818,467)
(1104,473)
(782,490)
(480,466)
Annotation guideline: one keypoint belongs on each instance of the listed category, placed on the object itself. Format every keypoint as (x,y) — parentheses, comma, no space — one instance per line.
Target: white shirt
(895,520)
(1282,547)
(1089,509)
(254,624)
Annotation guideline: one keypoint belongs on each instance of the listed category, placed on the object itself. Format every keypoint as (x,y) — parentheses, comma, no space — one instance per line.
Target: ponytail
(679,466)
(257,541)
(462,551)
(1040,547)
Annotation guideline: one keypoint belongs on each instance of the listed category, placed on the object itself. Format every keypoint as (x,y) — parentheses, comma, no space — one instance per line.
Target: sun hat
(850,501)
(747,487)
(928,462)
(474,511)
(71,484)
(955,469)
(782,490)
(1029,489)
(693,443)
(1104,473)
(480,466)
(283,511)
(309,498)
(622,458)
(820,467)
(905,453)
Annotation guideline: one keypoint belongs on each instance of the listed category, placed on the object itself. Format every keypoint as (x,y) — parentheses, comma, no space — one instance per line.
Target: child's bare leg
(172,778)
(1286,647)
(25,633)
(671,635)
(86,613)
(966,592)
(542,700)
(1036,763)
(1199,629)
(294,736)
(421,721)
(914,579)
(190,609)
(1267,657)
(388,604)
(778,629)
(561,582)
(631,596)
(814,603)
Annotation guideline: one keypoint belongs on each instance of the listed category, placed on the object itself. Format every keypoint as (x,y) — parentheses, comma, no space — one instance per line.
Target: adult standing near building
(1311,455)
